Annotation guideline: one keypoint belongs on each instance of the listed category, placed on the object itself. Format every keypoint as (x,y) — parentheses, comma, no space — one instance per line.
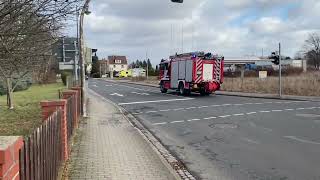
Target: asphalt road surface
(228,137)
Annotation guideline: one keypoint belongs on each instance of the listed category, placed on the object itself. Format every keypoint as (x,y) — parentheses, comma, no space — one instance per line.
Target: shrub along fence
(41,155)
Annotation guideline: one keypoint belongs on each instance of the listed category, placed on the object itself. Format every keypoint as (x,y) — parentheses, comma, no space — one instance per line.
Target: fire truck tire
(162,88)
(181,88)
(204,93)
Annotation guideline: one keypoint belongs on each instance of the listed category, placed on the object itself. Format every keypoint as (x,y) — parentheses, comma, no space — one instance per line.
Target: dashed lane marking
(225,116)
(210,118)
(264,111)
(155,101)
(193,120)
(302,140)
(162,123)
(239,114)
(221,105)
(177,121)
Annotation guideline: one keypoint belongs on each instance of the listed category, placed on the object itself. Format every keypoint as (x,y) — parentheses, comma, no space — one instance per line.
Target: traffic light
(276,58)
(177,1)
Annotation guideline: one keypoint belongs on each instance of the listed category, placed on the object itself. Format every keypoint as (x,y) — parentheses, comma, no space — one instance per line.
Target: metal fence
(41,156)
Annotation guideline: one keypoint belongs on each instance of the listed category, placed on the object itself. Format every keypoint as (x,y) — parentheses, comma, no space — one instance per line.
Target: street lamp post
(84,11)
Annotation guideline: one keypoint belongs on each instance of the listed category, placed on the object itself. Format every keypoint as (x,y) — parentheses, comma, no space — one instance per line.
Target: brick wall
(9,157)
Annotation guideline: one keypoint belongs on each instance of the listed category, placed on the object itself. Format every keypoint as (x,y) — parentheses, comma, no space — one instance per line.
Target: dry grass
(27,113)
(306,84)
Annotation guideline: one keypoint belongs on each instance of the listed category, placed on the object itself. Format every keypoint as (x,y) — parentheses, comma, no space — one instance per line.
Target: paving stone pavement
(107,146)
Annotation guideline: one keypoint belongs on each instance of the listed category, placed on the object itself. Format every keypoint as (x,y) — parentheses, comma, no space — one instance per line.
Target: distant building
(138,72)
(117,63)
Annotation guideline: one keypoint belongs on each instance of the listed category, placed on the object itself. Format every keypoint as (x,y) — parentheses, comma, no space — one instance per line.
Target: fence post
(9,157)
(73,94)
(48,107)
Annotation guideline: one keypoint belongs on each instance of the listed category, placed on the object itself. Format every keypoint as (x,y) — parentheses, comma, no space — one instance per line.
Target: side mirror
(177,1)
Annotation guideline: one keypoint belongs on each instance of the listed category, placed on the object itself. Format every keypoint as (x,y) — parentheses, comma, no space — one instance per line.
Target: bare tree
(312,52)
(28,29)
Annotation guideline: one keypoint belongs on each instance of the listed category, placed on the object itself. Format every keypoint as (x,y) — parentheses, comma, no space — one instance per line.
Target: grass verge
(306,84)
(27,113)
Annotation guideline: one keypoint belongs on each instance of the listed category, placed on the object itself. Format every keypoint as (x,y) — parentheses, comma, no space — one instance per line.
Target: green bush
(64,75)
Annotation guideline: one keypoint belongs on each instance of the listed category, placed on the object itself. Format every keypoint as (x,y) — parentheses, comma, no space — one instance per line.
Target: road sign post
(280,82)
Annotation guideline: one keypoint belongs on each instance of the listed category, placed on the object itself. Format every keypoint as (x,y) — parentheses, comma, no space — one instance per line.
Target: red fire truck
(192,72)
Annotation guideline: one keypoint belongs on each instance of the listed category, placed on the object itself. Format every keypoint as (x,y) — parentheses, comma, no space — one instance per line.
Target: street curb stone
(175,166)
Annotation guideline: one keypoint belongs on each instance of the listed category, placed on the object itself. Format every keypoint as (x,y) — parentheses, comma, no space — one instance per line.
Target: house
(117,63)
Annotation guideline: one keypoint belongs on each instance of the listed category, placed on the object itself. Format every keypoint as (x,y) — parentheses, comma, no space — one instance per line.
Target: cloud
(232,28)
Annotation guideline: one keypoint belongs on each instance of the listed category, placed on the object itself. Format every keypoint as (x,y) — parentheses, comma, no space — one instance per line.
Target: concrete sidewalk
(107,146)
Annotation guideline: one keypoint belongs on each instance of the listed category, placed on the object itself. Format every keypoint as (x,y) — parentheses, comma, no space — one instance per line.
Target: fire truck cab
(192,72)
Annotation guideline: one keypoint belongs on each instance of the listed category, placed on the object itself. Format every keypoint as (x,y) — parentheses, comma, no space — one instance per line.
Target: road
(228,137)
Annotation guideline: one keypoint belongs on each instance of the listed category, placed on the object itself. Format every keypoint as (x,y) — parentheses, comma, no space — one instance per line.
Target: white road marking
(258,103)
(224,116)
(162,123)
(213,117)
(94,85)
(202,107)
(264,111)
(250,141)
(151,111)
(300,108)
(215,105)
(108,85)
(191,107)
(164,110)
(140,93)
(226,104)
(289,109)
(177,121)
(155,101)
(241,114)
(267,129)
(137,113)
(277,110)
(193,120)
(178,109)
(116,94)
(251,113)
(311,107)
(302,140)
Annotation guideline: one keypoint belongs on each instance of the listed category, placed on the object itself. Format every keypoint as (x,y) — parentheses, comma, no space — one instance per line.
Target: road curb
(175,166)
(268,96)
(240,94)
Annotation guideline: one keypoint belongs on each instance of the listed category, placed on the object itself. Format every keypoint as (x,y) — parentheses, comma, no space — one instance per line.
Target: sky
(232,28)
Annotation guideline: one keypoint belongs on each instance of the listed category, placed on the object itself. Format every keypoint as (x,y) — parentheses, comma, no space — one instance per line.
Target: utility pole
(182,39)
(280,82)
(84,11)
(171,40)
(147,64)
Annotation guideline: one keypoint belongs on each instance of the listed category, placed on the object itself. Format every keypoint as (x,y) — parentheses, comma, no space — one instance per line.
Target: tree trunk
(9,94)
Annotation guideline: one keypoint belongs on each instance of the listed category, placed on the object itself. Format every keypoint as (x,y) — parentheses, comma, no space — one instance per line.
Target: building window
(122,66)
(114,66)
(117,61)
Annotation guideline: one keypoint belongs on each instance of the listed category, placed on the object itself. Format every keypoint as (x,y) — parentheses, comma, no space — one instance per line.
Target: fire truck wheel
(181,88)
(204,93)
(162,88)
